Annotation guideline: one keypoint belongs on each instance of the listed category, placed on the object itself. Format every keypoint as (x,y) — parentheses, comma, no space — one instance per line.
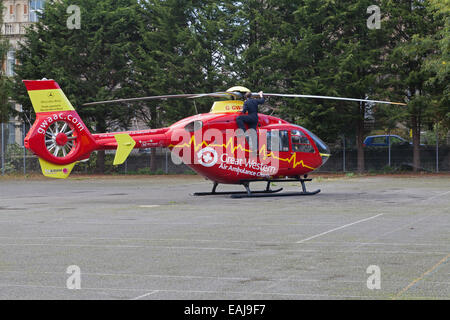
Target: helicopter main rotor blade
(175,96)
(233,95)
(330,98)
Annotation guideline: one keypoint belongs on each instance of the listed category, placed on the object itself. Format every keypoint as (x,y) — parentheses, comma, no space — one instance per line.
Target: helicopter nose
(325,157)
(324,150)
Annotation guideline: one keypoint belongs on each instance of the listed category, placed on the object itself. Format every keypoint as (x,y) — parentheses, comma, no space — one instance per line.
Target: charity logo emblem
(207,157)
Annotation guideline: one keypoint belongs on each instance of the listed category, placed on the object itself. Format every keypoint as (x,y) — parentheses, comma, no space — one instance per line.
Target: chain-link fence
(15,159)
(385,160)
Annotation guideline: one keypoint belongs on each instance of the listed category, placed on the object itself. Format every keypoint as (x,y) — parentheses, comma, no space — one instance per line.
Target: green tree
(279,49)
(323,47)
(183,50)
(351,66)
(92,63)
(320,47)
(412,30)
(264,26)
(438,63)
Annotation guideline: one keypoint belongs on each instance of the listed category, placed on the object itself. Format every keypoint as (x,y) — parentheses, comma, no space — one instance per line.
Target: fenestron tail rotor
(60,139)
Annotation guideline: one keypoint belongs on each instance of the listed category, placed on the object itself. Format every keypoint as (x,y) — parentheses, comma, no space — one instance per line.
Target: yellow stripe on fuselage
(53,100)
(230,145)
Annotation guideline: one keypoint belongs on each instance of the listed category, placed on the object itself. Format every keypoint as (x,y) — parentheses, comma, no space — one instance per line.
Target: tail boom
(60,138)
(125,142)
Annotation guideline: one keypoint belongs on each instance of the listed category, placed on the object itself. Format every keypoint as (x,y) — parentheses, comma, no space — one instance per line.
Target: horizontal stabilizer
(51,170)
(124,146)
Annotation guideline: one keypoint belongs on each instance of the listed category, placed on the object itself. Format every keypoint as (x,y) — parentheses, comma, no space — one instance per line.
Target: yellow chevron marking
(230,143)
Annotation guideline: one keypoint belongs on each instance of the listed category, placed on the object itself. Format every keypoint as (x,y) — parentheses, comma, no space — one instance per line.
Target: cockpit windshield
(324,150)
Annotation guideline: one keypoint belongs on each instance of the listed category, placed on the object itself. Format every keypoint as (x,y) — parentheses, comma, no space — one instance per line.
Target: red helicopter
(277,152)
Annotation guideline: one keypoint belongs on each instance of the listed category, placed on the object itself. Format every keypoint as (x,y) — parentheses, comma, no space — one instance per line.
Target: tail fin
(58,136)
(47,96)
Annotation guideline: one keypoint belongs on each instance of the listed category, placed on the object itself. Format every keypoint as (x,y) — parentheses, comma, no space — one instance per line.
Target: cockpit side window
(300,143)
(194,126)
(278,140)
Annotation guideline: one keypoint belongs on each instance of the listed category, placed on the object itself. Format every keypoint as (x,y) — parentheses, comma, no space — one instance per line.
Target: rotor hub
(239,89)
(61,139)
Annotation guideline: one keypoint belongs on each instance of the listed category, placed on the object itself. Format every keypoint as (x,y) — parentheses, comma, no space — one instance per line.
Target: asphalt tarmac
(149,238)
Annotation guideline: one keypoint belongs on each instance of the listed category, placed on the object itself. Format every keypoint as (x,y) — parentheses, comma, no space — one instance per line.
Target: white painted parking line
(45,238)
(145,295)
(437,196)
(209,278)
(405,226)
(339,228)
(393,244)
(114,246)
(209,292)
(316,243)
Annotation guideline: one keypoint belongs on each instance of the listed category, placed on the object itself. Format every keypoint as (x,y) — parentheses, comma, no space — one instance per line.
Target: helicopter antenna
(195,106)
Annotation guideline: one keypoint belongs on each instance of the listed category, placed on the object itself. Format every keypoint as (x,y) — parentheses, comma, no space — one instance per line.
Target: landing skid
(265,193)
(237,193)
